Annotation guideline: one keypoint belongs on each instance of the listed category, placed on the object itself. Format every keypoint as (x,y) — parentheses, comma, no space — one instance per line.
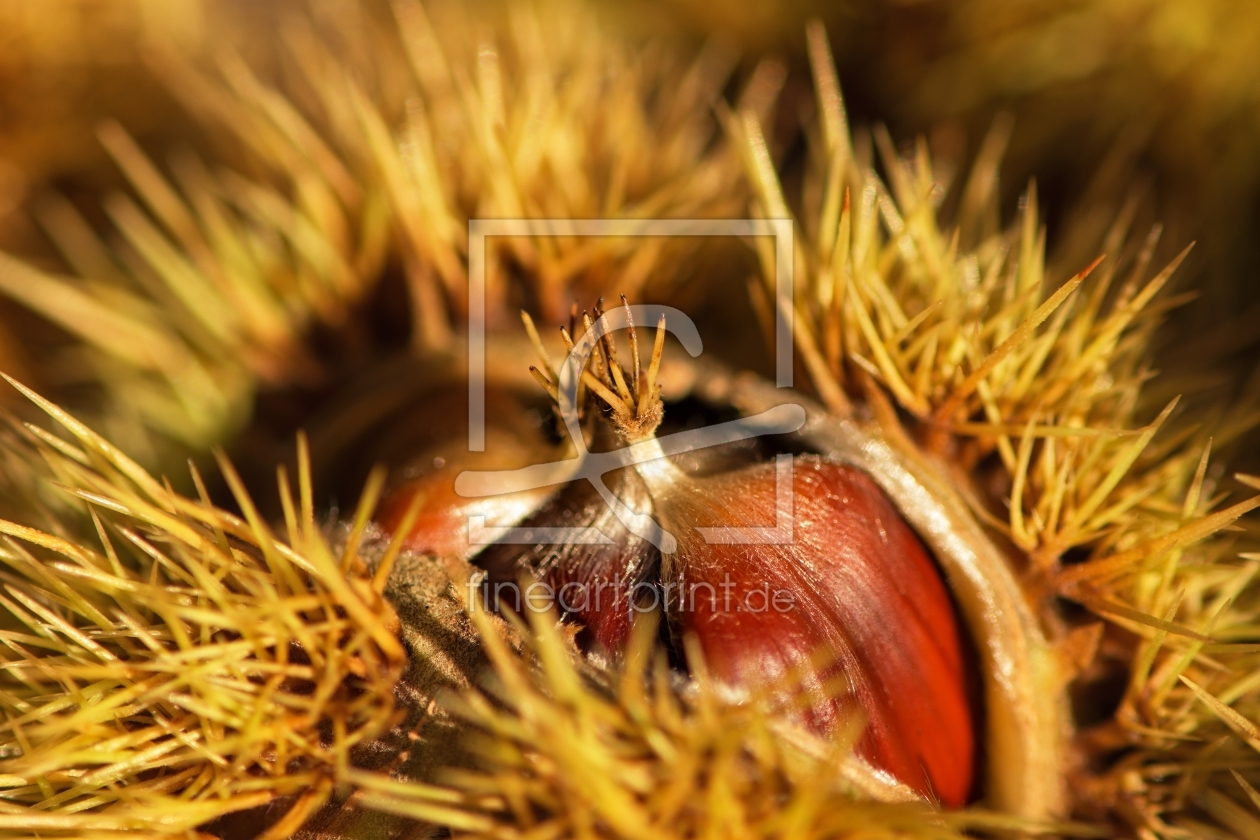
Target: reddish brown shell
(854,584)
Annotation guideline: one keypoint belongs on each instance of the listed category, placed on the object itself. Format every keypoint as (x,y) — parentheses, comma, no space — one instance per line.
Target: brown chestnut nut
(849,597)
(855,582)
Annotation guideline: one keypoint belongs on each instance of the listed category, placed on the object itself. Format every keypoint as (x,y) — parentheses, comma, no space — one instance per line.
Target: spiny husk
(186,665)
(565,752)
(951,322)
(562,750)
(222,274)
(164,681)
(208,299)
(526,112)
(550,117)
(957,329)
(1168,84)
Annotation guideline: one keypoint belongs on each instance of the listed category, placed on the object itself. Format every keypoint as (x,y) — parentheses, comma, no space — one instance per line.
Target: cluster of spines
(951,325)
(632,395)
(191,664)
(219,278)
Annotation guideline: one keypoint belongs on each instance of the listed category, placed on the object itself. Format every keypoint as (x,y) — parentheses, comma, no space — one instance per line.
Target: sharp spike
(547,384)
(654,366)
(535,340)
(634,348)
(599,361)
(606,394)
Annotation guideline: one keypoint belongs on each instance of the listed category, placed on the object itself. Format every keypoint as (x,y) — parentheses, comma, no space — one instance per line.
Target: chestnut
(845,618)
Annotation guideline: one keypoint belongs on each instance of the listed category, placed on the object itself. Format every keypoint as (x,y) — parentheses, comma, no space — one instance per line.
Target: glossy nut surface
(854,587)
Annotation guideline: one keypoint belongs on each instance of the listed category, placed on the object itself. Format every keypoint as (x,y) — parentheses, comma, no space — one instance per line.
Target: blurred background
(1151,102)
